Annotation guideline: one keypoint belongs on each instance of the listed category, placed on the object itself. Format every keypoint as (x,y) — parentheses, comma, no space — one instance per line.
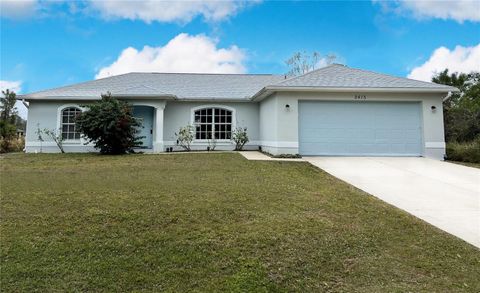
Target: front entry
(145,114)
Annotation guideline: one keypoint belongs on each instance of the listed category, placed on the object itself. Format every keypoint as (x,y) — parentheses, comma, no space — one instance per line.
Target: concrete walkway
(443,194)
(258,156)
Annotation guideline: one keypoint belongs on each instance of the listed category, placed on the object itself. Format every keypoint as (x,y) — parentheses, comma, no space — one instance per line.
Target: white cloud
(169,11)
(15,9)
(182,11)
(184,53)
(460,59)
(15,86)
(458,10)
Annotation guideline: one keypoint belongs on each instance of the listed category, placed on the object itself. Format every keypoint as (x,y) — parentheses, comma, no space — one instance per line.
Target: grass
(211,223)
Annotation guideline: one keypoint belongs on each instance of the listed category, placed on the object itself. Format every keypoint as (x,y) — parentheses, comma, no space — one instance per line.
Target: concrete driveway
(443,194)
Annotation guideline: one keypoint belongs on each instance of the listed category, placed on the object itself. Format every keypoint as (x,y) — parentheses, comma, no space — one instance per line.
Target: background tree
(461,110)
(303,62)
(8,119)
(8,111)
(7,130)
(110,125)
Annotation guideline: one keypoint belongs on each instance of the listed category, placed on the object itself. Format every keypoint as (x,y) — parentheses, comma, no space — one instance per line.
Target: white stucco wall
(178,114)
(286,133)
(45,114)
(269,122)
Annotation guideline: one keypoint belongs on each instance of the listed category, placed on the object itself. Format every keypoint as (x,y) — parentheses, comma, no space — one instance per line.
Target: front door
(145,114)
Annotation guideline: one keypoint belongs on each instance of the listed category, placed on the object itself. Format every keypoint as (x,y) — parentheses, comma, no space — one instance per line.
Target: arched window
(213,123)
(69,129)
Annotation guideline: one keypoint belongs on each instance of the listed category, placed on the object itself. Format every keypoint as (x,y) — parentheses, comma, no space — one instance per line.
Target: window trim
(212,106)
(59,122)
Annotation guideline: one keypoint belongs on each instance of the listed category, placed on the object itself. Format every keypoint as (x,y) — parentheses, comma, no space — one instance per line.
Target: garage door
(360,128)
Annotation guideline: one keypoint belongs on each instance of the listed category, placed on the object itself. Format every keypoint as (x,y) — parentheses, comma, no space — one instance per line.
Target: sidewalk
(258,156)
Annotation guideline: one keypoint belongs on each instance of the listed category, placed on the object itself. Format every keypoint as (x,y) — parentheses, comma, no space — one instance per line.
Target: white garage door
(360,128)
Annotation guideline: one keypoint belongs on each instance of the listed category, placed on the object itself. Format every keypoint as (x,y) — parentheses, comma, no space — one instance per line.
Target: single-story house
(332,111)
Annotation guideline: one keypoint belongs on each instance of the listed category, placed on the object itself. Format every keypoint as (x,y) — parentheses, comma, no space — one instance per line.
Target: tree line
(10,122)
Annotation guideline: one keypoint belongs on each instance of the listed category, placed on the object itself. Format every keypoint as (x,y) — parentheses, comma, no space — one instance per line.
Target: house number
(360,97)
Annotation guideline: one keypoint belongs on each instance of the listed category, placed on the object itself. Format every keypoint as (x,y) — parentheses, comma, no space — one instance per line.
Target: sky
(46,44)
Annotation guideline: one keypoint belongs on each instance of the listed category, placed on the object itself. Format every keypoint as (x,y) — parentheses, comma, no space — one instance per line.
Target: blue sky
(49,44)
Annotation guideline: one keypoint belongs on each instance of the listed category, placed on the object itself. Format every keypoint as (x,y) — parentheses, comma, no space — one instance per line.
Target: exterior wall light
(287,106)
(434,109)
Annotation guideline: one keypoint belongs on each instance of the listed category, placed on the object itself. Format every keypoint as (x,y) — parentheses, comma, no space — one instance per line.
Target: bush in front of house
(185,137)
(110,125)
(239,138)
(464,151)
(56,136)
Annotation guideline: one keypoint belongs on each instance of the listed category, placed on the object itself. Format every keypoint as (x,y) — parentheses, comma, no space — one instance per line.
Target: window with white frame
(213,123)
(69,129)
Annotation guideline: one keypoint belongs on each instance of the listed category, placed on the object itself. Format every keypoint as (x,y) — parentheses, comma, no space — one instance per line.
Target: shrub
(12,145)
(239,138)
(7,130)
(212,143)
(464,152)
(288,156)
(110,125)
(56,136)
(185,137)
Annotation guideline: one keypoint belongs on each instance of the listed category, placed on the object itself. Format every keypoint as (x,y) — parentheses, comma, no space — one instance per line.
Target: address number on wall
(360,97)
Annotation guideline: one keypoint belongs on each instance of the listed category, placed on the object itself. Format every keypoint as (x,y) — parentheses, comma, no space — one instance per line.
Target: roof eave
(92,98)
(142,96)
(266,91)
(214,99)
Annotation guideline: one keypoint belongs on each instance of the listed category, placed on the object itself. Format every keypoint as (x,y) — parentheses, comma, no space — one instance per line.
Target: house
(332,111)
(20,133)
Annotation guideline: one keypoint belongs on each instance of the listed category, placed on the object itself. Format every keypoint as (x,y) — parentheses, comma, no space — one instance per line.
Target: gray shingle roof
(181,85)
(340,76)
(195,86)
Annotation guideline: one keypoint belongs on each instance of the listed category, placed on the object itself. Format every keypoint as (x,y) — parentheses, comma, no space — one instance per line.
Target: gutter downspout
(447,96)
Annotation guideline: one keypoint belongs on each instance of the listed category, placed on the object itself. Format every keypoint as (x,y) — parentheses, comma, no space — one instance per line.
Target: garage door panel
(413,148)
(411,135)
(365,128)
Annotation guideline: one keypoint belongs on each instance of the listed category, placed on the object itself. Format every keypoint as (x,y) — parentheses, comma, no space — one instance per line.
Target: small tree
(7,136)
(8,114)
(212,143)
(303,62)
(39,133)
(7,130)
(7,106)
(240,138)
(110,125)
(185,137)
(56,136)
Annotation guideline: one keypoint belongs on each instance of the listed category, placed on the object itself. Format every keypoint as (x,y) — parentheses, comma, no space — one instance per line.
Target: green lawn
(211,223)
